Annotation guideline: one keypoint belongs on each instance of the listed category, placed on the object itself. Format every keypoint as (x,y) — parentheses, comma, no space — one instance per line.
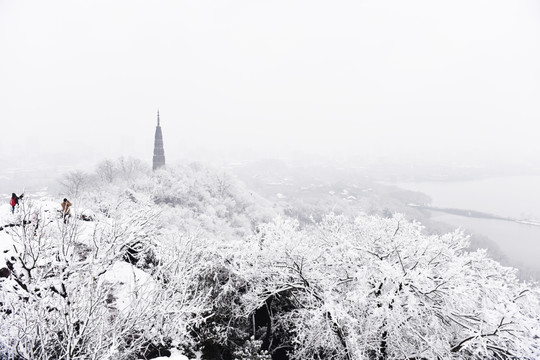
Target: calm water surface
(514,197)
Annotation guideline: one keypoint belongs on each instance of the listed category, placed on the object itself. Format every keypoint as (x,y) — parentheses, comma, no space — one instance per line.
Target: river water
(515,197)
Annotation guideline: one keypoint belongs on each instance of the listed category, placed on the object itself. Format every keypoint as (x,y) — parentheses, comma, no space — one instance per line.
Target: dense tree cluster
(188,258)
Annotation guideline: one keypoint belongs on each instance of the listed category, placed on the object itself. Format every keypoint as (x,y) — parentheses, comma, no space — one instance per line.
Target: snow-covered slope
(185,261)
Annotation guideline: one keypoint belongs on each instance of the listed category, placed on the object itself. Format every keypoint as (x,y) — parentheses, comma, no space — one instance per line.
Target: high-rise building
(159,153)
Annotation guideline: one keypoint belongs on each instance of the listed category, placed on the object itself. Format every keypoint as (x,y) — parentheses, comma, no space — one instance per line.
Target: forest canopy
(190,259)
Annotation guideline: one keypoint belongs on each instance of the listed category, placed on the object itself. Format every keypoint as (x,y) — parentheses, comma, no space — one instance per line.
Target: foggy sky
(82,80)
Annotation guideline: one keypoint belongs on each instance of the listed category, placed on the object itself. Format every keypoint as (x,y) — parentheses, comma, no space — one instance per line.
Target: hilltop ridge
(188,260)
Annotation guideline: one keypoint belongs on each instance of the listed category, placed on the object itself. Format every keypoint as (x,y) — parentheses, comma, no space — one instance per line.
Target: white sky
(418,79)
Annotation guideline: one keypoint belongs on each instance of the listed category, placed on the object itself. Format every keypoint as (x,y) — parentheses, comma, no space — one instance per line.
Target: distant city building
(159,153)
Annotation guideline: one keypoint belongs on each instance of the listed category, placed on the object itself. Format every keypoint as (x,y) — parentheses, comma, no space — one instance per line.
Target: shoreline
(475,214)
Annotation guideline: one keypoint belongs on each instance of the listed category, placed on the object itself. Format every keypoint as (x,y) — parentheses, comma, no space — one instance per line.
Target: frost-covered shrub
(186,258)
(251,351)
(71,295)
(370,288)
(378,288)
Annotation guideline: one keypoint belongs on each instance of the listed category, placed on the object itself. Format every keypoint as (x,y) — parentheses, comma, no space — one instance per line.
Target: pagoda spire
(159,152)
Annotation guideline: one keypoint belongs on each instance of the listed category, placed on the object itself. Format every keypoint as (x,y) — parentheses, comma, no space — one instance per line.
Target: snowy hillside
(188,263)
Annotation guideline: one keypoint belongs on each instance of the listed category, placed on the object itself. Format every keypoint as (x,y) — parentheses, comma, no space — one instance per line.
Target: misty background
(454,83)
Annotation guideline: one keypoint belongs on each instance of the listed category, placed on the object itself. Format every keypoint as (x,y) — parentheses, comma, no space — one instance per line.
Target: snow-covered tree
(76,290)
(379,288)
(187,258)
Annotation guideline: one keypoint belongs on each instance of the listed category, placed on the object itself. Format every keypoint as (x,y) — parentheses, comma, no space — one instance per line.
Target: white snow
(132,284)
(175,355)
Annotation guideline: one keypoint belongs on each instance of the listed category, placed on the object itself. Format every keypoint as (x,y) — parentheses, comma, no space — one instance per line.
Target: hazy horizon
(417,81)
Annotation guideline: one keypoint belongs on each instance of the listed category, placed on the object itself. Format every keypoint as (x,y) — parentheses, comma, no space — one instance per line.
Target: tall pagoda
(159,153)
